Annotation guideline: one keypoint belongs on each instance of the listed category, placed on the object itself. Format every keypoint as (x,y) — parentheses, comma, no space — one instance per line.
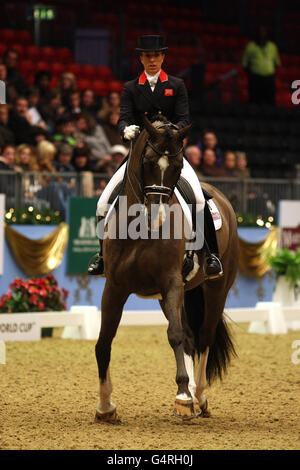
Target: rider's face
(152,61)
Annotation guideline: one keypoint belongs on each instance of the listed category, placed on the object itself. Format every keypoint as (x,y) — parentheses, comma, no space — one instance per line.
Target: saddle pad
(215,214)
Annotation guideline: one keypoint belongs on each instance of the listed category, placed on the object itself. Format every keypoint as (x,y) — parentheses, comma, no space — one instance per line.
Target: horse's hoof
(186,409)
(204,410)
(110,417)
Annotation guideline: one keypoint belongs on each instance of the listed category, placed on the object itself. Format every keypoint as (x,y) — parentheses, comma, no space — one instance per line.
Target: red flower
(32,290)
(41,306)
(33,299)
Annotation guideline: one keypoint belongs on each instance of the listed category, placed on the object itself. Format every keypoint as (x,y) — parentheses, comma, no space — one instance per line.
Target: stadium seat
(26,66)
(63,54)
(19,48)
(57,68)
(32,52)
(100,87)
(115,85)
(88,71)
(83,83)
(48,53)
(74,68)
(41,65)
(103,72)
(24,37)
(7,36)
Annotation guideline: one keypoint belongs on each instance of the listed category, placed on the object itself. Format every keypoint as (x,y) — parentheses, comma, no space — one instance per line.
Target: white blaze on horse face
(201,380)
(163,164)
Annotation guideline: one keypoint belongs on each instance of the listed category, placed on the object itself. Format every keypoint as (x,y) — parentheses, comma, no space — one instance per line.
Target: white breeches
(187,172)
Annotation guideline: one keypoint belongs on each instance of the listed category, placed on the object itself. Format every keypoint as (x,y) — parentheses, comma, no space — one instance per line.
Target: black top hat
(151,43)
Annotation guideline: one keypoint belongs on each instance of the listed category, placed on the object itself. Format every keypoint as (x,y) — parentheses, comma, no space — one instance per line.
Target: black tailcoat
(169,98)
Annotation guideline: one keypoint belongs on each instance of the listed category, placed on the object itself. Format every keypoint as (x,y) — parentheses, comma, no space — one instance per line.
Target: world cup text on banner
(14,327)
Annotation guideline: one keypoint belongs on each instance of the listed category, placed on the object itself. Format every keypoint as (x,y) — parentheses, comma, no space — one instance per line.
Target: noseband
(154,188)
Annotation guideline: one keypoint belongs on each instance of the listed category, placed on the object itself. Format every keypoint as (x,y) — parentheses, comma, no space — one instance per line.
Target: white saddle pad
(215,214)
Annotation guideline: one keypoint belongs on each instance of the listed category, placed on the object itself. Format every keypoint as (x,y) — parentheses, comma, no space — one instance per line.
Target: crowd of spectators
(62,130)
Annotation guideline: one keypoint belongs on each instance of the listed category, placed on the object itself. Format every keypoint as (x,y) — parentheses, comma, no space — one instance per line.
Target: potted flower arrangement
(286,265)
(34,295)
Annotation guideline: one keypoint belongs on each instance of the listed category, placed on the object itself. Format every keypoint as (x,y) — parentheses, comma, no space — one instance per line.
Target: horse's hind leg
(186,404)
(111,312)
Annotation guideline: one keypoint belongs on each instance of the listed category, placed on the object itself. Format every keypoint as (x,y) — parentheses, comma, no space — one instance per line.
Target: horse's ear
(152,131)
(183,132)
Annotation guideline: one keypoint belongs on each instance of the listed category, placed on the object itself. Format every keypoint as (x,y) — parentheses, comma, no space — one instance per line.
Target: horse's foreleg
(111,312)
(186,404)
(201,381)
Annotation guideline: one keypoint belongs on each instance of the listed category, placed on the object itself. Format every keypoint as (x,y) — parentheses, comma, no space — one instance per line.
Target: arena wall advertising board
(83,241)
(289,223)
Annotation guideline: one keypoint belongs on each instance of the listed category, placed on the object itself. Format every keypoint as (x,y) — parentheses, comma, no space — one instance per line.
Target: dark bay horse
(149,267)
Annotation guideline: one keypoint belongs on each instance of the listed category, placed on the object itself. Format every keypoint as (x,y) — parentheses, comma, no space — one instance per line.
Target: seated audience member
(241,165)
(93,135)
(6,135)
(81,159)
(46,152)
(193,154)
(52,109)
(118,153)
(33,96)
(10,91)
(64,131)
(19,121)
(14,78)
(106,166)
(67,85)
(88,102)
(74,106)
(7,158)
(111,129)
(42,81)
(208,167)
(25,160)
(37,134)
(228,168)
(63,159)
(210,141)
(111,103)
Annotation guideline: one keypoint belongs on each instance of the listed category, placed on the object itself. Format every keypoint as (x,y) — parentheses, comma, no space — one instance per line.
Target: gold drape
(252,258)
(38,257)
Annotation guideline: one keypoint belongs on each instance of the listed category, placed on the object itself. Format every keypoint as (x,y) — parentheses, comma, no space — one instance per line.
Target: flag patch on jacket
(169,92)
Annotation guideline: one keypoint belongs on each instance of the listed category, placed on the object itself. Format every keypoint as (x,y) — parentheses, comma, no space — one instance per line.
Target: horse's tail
(222,349)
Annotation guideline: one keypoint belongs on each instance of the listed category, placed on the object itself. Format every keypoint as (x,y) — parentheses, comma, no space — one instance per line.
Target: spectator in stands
(6,135)
(46,152)
(25,160)
(93,135)
(38,134)
(19,121)
(42,81)
(228,168)
(33,96)
(241,165)
(67,85)
(260,60)
(109,104)
(52,108)
(81,159)
(88,102)
(118,153)
(74,105)
(65,131)
(7,158)
(111,129)
(193,154)
(210,141)
(10,91)
(63,159)
(14,78)
(209,167)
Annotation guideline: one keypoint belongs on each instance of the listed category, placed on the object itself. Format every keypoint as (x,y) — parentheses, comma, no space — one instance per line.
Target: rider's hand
(130,132)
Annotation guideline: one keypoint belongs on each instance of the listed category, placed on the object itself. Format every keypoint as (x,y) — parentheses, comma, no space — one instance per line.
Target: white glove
(130,132)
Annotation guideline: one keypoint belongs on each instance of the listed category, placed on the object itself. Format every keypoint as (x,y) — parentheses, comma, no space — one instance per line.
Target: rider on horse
(153,93)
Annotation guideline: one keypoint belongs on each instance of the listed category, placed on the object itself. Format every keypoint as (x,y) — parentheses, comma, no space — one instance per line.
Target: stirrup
(96,268)
(218,274)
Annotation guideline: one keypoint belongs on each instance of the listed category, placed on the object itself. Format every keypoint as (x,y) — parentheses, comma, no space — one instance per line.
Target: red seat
(103,72)
(32,52)
(115,85)
(83,83)
(25,66)
(74,68)
(48,53)
(88,71)
(19,48)
(56,68)
(2,49)
(54,82)
(100,87)
(7,36)
(42,65)
(63,54)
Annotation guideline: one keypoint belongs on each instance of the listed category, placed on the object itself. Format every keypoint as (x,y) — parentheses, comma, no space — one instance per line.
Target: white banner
(2,211)
(19,327)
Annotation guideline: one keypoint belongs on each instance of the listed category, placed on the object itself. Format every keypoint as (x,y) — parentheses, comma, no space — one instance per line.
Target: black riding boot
(96,267)
(214,267)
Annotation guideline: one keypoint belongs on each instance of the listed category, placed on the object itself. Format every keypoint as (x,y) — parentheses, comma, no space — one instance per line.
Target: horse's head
(162,162)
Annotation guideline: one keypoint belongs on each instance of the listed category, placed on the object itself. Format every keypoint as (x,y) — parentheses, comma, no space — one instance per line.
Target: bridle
(154,188)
